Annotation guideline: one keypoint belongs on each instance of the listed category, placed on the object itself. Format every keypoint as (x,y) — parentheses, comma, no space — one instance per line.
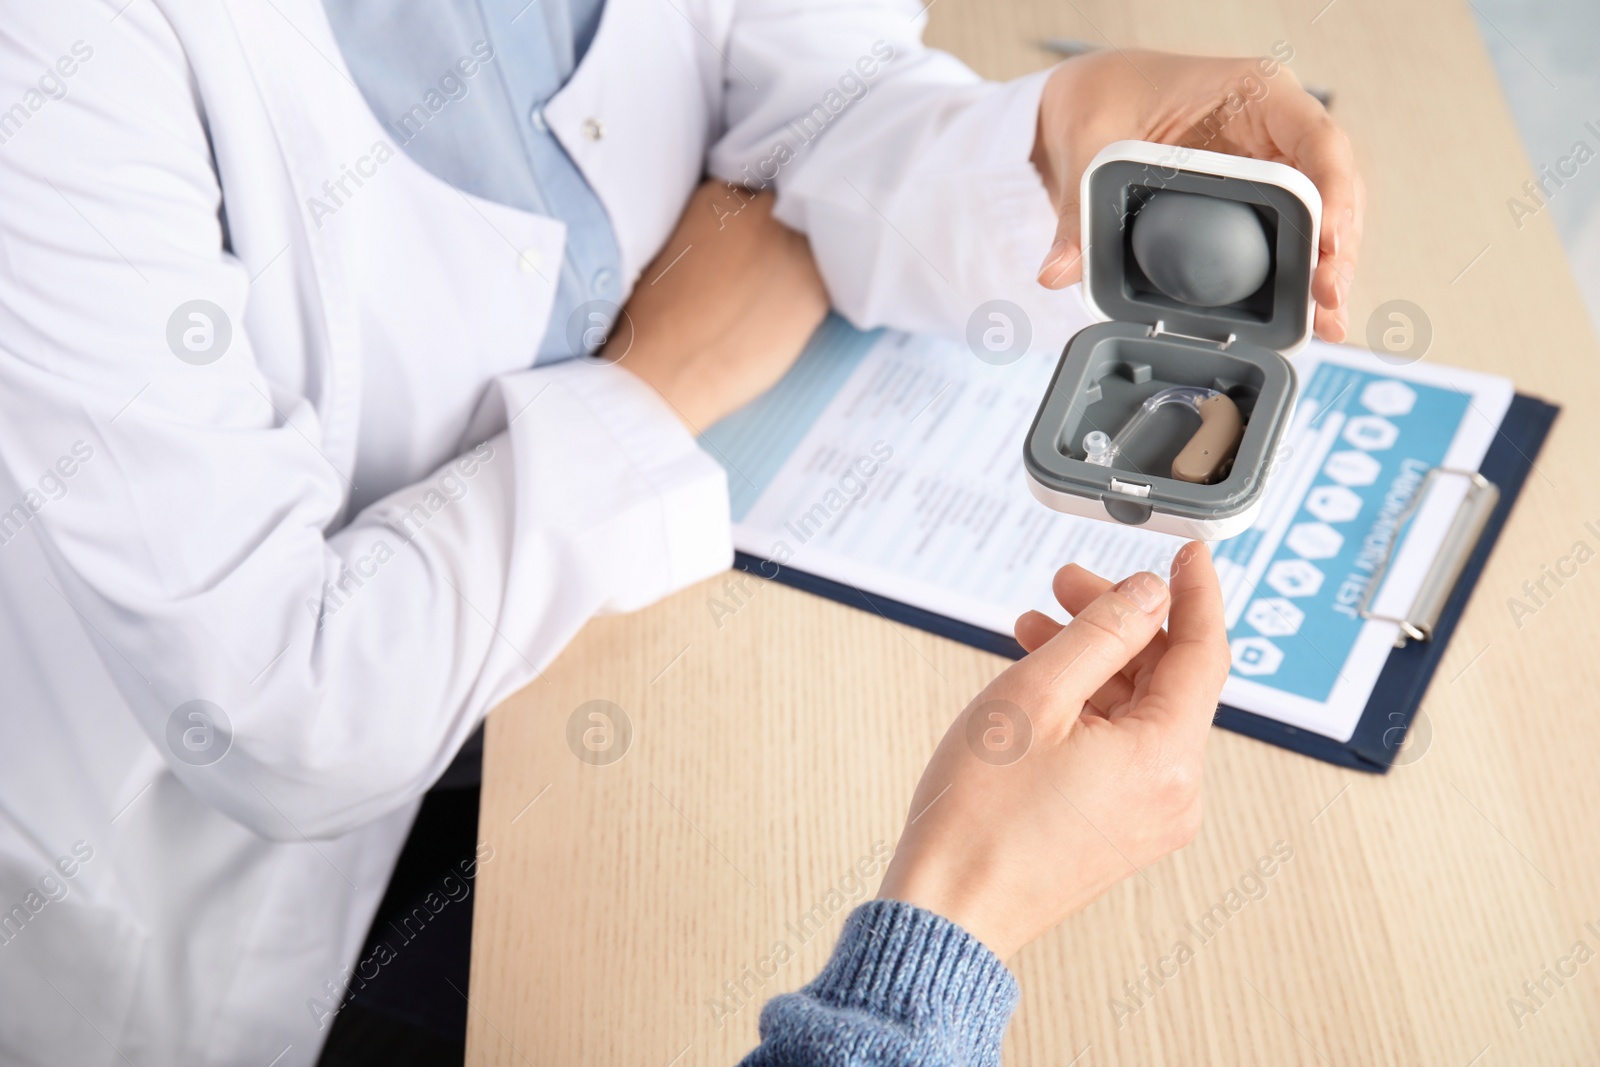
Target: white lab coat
(368,521)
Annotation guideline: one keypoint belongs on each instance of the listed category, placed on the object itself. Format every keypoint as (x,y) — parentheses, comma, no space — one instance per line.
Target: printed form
(893,463)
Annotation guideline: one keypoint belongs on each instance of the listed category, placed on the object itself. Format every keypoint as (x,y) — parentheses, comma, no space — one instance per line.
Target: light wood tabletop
(775,748)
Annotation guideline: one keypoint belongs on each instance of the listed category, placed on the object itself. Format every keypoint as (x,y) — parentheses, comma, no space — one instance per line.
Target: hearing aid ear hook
(1206,455)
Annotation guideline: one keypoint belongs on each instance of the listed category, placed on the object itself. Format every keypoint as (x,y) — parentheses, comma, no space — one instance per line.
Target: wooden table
(775,749)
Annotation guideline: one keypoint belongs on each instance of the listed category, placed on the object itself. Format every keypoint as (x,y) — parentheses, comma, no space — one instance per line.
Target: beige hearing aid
(1208,453)
(1205,458)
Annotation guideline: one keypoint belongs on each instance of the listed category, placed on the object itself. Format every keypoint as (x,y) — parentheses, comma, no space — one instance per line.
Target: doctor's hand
(1245,107)
(725,308)
(1078,764)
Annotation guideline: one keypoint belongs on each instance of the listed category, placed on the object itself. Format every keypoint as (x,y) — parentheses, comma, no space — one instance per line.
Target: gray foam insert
(1205,251)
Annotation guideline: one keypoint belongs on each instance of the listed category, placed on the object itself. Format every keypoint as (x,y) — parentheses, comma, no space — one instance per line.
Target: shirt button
(593,129)
(530,261)
(601,281)
(536,116)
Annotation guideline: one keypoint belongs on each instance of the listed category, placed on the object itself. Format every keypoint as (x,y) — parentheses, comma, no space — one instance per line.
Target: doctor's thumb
(1062,265)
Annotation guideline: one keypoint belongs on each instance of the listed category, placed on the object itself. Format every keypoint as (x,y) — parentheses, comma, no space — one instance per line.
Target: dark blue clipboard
(1400,688)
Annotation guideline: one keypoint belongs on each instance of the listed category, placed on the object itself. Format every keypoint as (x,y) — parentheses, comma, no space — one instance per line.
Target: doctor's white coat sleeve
(186,510)
(910,175)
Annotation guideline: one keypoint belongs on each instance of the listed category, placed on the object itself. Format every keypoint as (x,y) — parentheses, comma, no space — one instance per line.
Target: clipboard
(1425,629)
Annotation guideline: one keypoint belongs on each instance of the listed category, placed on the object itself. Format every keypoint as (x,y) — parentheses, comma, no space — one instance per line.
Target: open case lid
(1126,175)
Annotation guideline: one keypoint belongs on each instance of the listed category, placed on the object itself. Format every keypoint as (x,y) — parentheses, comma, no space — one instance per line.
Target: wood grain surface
(774,748)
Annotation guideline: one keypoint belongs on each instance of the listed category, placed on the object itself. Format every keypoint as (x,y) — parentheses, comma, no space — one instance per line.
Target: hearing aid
(1205,458)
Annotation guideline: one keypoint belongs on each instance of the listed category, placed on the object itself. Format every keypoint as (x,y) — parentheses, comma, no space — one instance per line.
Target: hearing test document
(893,463)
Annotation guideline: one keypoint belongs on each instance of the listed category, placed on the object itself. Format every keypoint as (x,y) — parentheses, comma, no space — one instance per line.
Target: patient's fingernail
(1145,590)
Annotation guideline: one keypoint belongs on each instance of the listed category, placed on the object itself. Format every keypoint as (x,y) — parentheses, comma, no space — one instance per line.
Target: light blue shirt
(461,86)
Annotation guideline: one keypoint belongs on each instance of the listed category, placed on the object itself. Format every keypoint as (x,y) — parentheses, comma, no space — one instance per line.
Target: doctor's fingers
(1310,140)
(1063,265)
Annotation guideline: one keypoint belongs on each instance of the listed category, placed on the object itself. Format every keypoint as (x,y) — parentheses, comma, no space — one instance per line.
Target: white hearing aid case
(1151,346)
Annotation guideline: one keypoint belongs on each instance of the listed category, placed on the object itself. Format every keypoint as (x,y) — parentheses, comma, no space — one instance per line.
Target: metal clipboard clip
(1459,540)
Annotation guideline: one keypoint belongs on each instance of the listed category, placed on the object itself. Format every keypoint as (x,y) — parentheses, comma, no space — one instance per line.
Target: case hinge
(1160,330)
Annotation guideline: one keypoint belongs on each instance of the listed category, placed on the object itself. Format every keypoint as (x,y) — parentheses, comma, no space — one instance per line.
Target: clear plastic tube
(1103,450)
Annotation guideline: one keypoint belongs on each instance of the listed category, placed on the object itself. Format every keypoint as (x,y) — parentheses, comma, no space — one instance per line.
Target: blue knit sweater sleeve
(904,988)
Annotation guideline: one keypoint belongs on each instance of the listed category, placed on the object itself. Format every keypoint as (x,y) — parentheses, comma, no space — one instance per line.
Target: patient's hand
(1009,834)
(725,308)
